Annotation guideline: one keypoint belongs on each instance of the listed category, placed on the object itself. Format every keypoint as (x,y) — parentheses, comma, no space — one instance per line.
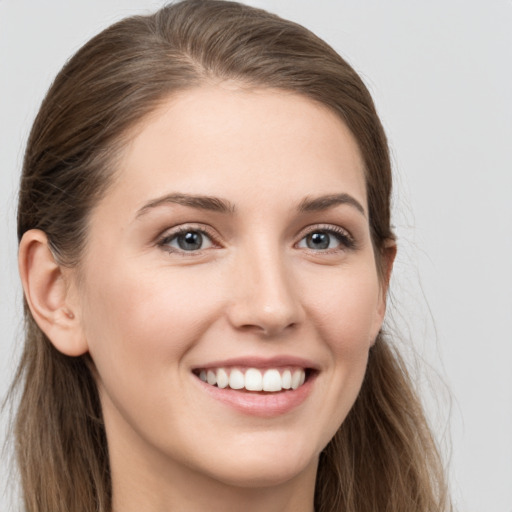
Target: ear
(47,292)
(387,258)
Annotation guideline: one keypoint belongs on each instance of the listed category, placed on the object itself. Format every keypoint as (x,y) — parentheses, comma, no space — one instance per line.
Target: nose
(264,299)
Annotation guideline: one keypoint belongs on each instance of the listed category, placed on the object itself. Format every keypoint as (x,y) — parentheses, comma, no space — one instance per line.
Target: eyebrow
(209,203)
(216,204)
(317,204)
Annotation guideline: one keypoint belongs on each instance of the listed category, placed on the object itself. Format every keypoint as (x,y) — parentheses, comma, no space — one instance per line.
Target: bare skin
(236,228)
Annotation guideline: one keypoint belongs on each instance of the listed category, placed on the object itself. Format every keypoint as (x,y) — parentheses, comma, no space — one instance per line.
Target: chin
(256,476)
(264,467)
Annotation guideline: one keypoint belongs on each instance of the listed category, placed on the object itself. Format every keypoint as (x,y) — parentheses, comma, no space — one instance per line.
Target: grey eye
(189,241)
(320,240)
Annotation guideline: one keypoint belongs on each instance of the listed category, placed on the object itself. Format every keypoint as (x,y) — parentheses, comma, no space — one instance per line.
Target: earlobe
(47,292)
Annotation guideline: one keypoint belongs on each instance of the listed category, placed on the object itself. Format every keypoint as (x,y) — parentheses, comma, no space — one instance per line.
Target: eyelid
(171,233)
(346,239)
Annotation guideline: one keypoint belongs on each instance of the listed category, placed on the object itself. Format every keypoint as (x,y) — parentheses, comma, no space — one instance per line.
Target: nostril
(268,329)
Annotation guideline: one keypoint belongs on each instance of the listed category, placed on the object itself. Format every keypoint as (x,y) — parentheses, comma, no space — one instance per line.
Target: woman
(205,250)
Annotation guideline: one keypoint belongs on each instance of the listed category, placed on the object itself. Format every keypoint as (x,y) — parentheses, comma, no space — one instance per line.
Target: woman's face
(233,246)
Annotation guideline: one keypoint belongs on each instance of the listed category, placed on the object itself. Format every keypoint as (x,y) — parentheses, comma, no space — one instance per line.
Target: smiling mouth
(270,380)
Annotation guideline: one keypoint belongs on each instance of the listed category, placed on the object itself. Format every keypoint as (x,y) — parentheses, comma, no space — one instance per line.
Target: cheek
(346,310)
(140,328)
(136,321)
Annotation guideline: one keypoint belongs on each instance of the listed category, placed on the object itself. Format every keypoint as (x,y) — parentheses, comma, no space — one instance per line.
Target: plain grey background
(441,75)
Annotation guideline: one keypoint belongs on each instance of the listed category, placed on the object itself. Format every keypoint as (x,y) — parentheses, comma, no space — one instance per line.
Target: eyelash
(183,230)
(344,238)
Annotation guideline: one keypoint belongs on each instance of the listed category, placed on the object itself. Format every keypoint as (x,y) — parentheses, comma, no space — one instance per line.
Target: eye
(188,240)
(326,239)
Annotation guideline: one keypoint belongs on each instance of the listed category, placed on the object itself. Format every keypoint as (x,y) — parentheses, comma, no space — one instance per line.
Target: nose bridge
(265,295)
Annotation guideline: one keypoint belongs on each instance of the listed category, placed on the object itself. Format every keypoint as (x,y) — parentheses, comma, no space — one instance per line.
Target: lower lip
(258,404)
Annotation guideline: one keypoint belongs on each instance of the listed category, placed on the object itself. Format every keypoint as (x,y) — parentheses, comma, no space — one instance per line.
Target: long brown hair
(383,457)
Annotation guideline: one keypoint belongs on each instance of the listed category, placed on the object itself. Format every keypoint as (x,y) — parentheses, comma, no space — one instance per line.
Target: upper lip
(261,362)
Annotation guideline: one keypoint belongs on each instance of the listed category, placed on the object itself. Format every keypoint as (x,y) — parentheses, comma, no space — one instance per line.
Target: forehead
(224,141)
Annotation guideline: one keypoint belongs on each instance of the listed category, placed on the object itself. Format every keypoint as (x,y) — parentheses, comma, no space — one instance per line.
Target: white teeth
(211,378)
(222,378)
(236,379)
(296,378)
(253,380)
(271,380)
(287,379)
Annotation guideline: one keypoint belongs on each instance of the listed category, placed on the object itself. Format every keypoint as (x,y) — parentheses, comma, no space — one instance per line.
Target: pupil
(318,241)
(190,241)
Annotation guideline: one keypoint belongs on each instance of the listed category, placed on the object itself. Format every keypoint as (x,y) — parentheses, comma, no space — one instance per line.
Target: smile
(270,380)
